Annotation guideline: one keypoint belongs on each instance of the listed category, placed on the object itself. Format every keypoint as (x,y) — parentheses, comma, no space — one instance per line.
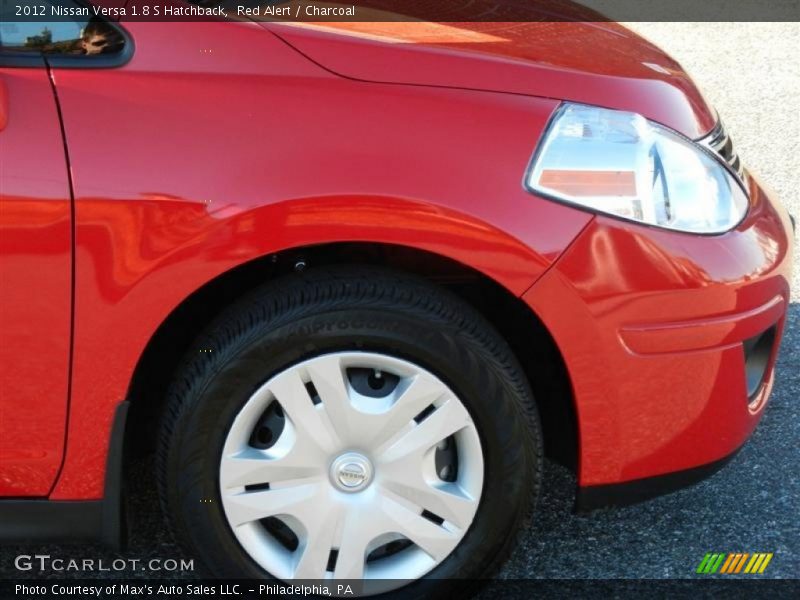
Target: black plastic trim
(596,497)
(39,519)
(759,352)
(113,518)
(45,520)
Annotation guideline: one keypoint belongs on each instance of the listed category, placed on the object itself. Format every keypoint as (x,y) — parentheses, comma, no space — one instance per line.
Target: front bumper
(656,329)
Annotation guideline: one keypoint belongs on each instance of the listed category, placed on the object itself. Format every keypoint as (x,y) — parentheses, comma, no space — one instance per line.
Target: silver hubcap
(352,465)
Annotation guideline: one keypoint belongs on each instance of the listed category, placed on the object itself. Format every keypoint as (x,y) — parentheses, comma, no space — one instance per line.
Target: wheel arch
(528,337)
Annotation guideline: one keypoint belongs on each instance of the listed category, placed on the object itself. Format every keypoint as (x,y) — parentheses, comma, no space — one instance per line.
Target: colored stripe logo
(734,562)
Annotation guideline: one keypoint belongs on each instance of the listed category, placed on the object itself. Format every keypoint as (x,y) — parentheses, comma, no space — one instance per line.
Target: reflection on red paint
(35,286)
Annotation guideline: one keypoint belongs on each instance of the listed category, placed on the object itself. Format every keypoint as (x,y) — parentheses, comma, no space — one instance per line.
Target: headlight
(622,164)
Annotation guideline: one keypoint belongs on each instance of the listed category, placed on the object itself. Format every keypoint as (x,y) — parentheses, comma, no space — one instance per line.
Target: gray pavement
(751,73)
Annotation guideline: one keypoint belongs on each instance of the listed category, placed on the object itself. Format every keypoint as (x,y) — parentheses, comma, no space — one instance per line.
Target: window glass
(80,35)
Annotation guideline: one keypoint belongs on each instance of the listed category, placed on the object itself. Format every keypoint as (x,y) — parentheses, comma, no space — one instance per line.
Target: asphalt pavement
(751,73)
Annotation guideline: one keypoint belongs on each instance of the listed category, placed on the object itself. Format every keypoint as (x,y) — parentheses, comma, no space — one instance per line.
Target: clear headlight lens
(622,164)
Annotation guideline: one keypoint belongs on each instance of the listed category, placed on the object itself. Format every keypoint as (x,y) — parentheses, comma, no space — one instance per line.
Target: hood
(599,63)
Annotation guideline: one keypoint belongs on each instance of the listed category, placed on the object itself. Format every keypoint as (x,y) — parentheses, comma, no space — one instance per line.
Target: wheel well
(525,333)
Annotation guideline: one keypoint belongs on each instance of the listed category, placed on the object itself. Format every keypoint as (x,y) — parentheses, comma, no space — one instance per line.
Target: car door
(35,269)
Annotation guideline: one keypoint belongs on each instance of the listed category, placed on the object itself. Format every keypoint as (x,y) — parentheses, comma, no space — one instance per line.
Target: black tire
(349,308)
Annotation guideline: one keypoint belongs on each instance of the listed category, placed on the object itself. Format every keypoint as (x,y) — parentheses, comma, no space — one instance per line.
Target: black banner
(499,589)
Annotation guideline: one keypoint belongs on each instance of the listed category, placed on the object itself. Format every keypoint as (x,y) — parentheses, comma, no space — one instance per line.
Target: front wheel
(350,424)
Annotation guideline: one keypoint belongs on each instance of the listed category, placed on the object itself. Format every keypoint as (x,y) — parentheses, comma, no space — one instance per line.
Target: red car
(351,282)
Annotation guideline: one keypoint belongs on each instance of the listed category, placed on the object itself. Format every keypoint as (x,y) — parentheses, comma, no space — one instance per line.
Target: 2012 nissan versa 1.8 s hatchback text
(352,281)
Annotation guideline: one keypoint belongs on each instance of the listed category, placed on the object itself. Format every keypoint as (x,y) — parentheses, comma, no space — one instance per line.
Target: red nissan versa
(351,282)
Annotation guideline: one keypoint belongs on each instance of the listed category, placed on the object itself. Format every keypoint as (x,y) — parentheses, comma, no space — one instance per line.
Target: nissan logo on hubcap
(352,475)
(351,472)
